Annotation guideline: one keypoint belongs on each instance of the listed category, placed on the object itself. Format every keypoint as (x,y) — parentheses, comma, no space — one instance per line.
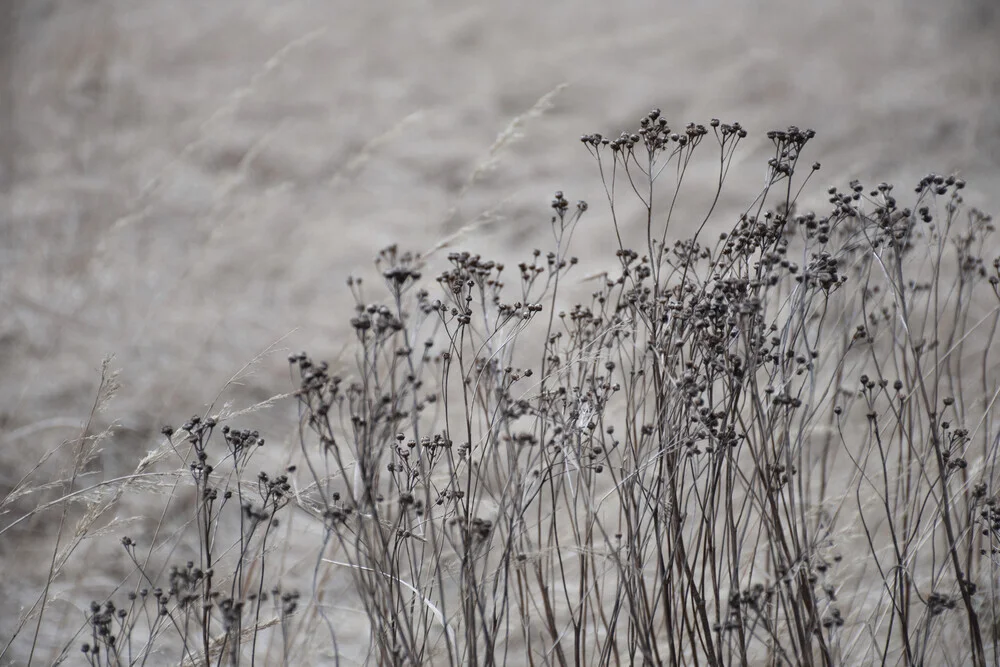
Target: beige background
(184,183)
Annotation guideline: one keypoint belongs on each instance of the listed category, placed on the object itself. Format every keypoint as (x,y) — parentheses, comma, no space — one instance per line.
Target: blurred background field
(186,185)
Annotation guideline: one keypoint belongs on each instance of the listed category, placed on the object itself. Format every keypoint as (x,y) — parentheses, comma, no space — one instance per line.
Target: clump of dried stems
(773,445)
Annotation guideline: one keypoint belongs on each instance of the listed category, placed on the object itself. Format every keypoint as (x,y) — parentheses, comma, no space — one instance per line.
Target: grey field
(728,397)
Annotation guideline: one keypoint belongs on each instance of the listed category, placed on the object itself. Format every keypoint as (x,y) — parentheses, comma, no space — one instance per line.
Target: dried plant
(771,445)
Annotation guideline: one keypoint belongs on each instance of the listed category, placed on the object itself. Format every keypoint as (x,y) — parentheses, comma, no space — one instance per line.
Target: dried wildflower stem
(668,471)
